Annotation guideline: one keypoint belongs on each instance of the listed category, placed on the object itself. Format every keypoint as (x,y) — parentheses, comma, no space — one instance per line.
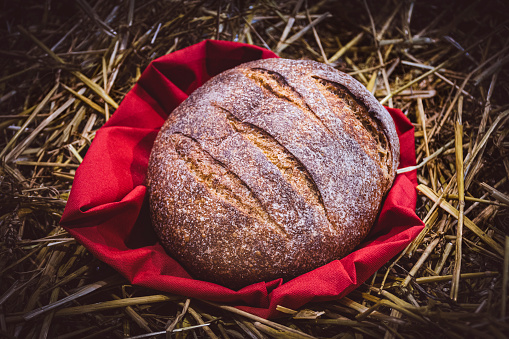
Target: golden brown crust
(269,170)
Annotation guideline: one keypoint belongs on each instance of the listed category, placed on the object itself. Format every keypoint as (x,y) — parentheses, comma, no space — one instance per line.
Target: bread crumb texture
(270,170)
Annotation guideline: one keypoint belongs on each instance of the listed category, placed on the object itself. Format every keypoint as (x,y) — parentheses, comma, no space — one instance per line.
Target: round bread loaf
(270,169)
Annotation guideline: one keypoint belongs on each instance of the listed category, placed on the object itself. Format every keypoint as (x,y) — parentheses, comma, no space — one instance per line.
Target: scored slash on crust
(276,84)
(362,116)
(290,166)
(217,177)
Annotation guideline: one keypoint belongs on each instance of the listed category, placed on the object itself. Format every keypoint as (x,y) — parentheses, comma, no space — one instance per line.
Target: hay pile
(65,66)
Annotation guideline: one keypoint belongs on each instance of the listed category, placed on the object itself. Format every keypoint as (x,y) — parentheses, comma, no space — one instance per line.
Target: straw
(461,199)
(67,66)
(455,213)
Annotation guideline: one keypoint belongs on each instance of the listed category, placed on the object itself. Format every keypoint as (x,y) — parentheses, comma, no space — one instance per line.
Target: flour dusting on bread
(270,169)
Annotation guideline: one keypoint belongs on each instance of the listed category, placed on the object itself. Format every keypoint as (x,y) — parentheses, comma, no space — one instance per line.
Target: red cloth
(107,209)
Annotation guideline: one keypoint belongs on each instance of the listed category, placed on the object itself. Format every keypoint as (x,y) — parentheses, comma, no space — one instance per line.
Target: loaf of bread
(270,170)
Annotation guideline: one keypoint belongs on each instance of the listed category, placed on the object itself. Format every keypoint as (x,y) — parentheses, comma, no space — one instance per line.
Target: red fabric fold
(107,210)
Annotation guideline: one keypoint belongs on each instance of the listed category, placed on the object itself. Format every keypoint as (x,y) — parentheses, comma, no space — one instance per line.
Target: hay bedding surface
(65,65)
